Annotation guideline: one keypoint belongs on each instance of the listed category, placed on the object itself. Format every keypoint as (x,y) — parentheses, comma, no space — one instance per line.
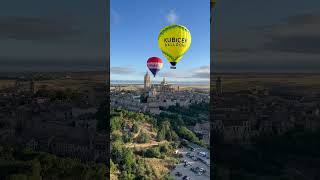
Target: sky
(267,36)
(134,33)
(249,36)
(59,35)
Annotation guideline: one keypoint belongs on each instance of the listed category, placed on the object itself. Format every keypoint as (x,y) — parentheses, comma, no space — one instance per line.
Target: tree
(127,160)
(164,148)
(115,123)
(161,135)
(116,152)
(113,167)
(153,152)
(127,176)
(188,135)
(128,137)
(143,137)
(135,127)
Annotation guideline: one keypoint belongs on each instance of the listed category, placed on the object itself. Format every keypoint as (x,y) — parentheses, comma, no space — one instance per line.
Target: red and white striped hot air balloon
(154,64)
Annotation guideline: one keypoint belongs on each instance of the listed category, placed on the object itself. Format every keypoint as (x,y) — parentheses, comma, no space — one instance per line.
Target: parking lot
(185,171)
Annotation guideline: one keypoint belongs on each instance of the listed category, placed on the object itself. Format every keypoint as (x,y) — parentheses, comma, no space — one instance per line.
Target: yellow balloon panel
(174,41)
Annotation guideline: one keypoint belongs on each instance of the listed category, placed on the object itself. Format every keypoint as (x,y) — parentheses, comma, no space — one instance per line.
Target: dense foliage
(192,114)
(185,133)
(23,164)
(179,118)
(126,127)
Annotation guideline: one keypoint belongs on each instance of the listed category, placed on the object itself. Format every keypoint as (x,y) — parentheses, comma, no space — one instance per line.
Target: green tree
(188,135)
(135,127)
(113,167)
(116,152)
(143,137)
(127,160)
(126,176)
(153,152)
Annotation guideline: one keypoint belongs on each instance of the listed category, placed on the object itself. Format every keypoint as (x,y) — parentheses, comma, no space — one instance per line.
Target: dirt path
(144,145)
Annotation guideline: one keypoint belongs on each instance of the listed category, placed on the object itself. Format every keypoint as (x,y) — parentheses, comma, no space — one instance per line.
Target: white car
(203,154)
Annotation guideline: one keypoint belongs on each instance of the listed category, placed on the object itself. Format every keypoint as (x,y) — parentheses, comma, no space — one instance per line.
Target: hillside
(139,150)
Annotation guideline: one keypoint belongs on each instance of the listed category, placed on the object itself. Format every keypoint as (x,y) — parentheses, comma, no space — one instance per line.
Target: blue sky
(134,30)
(53,36)
(267,36)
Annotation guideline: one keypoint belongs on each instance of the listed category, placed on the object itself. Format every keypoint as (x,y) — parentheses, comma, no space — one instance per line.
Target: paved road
(186,170)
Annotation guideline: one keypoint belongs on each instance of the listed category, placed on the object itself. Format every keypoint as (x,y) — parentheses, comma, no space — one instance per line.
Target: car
(199,173)
(186,164)
(191,156)
(186,178)
(192,149)
(178,174)
(195,170)
(188,154)
(194,158)
(203,154)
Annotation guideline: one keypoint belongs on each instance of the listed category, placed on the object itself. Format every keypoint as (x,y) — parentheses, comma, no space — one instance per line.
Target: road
(185,171)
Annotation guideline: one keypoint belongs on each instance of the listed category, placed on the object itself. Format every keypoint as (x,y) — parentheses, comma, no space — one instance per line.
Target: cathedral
(147,81)
(163,86)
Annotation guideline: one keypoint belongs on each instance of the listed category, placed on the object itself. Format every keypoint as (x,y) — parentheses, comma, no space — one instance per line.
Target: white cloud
(172,17)
(202,72)
(122,70)
(171,74)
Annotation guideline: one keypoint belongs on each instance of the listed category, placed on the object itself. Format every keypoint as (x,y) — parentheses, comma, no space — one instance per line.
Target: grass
(160,167)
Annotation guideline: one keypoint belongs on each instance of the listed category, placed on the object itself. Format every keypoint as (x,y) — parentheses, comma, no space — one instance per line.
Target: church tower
(147,81)
(218,87)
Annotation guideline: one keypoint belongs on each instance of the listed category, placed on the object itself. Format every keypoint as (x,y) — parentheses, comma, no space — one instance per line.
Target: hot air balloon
(154,64)
(174,40)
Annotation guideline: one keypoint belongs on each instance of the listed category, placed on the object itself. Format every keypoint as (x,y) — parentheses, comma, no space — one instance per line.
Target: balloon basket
(173,67)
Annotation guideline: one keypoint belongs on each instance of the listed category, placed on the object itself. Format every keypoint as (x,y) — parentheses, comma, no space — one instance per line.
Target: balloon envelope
(174,40)
(154,64)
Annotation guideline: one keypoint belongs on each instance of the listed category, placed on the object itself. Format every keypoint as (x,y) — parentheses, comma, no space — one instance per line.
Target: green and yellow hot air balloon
(174,41)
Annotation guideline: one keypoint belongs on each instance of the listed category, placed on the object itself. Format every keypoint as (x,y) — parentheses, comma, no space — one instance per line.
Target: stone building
(147,81)
(61,129)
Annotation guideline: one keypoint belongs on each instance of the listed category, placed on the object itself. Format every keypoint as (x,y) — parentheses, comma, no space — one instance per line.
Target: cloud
(202,72)
(115,16)
(296,34)
(36,28)
(122,70)
(37,64)
(172,17)
(172,74)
